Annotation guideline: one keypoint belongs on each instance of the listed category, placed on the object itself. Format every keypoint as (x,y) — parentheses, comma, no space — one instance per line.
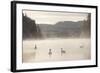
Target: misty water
(38,50)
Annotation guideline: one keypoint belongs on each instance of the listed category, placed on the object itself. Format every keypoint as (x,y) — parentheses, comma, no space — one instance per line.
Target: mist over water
(75,49)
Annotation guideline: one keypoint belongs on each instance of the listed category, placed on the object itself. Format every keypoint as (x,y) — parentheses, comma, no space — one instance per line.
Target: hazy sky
(49,17)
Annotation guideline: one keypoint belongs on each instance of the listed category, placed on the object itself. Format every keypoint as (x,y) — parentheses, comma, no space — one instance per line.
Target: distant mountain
(62,29)
(69,24)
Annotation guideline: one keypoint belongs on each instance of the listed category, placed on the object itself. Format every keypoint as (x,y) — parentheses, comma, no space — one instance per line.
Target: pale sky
(50,17)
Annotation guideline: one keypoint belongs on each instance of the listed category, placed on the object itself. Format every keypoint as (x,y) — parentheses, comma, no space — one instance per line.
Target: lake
(73,49)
